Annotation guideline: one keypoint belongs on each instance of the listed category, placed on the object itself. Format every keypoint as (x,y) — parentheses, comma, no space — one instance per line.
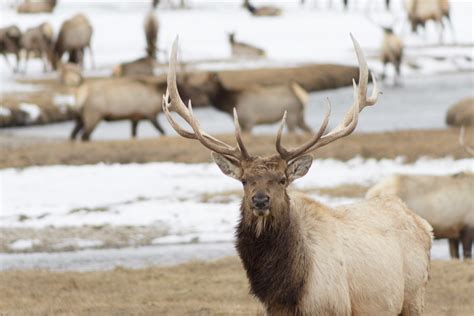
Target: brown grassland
(195,288)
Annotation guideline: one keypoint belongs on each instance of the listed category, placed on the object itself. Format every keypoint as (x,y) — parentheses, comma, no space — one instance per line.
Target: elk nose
(260,201)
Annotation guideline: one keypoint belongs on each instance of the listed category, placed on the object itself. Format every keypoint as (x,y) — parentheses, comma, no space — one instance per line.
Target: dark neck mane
(276,261)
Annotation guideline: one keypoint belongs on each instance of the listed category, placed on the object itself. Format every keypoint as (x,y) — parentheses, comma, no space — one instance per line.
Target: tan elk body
(258,105)
(422,11)
(240,49)
(38,41)
(117,99)
(10,43)
(302,257)
(446,202)
(74,37)
(36,6)
(392,51)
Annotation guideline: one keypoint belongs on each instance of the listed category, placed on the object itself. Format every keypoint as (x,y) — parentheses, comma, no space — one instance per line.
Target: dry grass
(215,288)
(18,152)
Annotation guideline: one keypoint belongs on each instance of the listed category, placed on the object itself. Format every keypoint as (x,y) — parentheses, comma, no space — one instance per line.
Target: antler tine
(186,113)
(238,135)
(350,120)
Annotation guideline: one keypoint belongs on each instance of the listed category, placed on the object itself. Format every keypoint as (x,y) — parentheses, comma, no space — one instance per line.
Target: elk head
(265,179)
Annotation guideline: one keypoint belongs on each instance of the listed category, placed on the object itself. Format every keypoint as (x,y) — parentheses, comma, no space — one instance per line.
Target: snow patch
(32,111)
(23,244)
(5,111)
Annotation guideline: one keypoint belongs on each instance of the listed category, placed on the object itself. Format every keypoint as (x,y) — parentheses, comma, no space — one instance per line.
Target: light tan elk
(422,11)
(305,258)
(38,41)
(70,74)
(240,49)
(263,10)
(257,105)
(36,6)
(74,37)
(117,99)
(392,52)
(10,43)
(446,202)
(145,65)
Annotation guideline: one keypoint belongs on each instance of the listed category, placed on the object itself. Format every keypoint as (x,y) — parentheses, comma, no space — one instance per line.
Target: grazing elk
(74,37)
(391,52)
(116,99)
(461,113)
(10,43)
(240,49)
(38,41)
(256,105)
(263,10)
(422,11)
(446,202)
(145,65)
(37,6)
(305,258)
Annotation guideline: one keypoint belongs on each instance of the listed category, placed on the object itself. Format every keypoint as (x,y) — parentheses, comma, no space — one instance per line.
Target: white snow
(169,195)
(23,244)
(5,111)
(32,110)
(78,243)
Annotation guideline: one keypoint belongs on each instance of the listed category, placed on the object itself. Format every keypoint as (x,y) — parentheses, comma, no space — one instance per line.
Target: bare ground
(196,288)
(411,144)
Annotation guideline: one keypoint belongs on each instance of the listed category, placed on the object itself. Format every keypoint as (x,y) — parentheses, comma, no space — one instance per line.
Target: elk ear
(299,167)
(229,167)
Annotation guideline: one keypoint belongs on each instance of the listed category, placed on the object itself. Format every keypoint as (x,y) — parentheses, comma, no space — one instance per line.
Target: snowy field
(312,33)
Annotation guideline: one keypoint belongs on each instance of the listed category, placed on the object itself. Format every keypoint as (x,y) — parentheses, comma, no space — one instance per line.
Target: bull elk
(10,43)
(444,201)
(302,257)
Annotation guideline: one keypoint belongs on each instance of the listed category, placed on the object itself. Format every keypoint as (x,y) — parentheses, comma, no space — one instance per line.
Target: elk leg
(134,128)
(77,128)
(90,122)
(467,236)
(384,70)
(454,248)
(157,125)
(91,53)
(26,60)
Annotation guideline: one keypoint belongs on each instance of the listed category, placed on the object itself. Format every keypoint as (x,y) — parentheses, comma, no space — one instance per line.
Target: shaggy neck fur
(275,260)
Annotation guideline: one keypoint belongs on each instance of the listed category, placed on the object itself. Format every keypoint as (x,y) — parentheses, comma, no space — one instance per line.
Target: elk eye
(283,180)
(244,182)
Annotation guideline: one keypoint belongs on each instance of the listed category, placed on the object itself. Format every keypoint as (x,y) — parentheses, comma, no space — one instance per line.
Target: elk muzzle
(261,204)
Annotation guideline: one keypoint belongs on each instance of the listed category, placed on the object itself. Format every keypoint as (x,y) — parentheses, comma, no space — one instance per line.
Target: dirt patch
(411,144)
(196,288)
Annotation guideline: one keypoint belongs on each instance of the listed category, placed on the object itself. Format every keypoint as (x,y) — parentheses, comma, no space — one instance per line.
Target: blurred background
(94,180)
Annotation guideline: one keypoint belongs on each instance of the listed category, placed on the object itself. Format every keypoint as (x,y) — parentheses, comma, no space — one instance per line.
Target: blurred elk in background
(36,6)
(446,202)
(263,10)
(145,65)
(240,49)
(117,99)
(38,42)
(74,38)
(10,43)
(257,104)
(461,113)
(391,52)
(302,257)
(70,74)
(420,12)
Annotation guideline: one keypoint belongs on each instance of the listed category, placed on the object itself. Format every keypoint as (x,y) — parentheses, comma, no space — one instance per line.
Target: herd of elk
(302,257)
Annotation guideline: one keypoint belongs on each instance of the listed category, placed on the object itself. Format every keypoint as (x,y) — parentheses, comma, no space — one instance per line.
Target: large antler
(177,105)
(347,125)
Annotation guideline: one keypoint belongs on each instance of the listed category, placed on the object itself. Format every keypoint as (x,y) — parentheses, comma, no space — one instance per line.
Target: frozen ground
(421,103)
(190,203)
(301,34)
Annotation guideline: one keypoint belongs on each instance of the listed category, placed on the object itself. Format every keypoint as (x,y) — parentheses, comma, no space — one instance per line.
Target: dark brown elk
(117,99)
(10,43)
(38,41)
(74,38)
(302,257)
(240,49)
(36,6)
(263,10)
(143,66)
